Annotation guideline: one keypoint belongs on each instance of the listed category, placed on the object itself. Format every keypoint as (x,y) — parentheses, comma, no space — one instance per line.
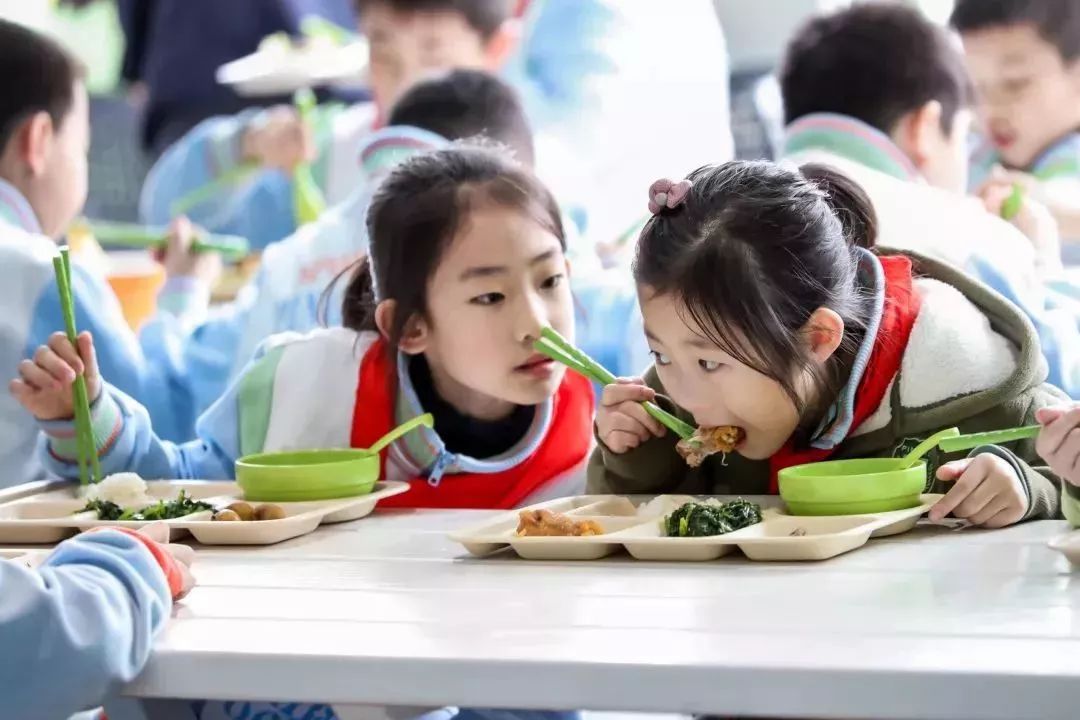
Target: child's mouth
(1002,139)
(538,366)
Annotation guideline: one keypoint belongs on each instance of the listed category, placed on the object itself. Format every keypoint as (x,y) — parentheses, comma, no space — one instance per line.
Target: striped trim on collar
(849,138)
(15,209)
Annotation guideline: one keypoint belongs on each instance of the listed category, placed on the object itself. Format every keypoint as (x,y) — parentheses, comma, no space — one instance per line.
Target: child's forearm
(88,615)
(126,443)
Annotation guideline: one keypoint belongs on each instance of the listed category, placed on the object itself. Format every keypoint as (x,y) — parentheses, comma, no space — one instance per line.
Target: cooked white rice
(127,490)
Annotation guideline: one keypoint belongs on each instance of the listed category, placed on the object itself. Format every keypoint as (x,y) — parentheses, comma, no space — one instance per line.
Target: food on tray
(544,523)
(709,441)
(710,518)
(127,490)
(269,512)
(182,506)
(243,512)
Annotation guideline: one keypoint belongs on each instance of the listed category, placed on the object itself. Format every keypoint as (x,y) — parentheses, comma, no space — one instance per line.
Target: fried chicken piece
(709,441)
(544,523)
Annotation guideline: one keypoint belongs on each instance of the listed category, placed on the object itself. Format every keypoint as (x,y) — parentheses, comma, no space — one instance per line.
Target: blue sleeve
(562,56)
(1056,317)
(127,443)
(197,363)
(79,626)
(259,207)
(120,356)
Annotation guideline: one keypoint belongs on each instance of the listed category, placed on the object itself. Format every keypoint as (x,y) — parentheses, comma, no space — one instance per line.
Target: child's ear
(34,142)
(824,332)
(31,143)
(503,43)
(413,337)
(919,133)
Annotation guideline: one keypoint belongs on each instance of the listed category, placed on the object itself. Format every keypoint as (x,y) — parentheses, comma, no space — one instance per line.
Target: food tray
(52,515)
(778,537)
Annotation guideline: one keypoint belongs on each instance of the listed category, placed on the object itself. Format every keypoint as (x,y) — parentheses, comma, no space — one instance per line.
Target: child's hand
(181,261)
(1032,217)
(621,422)
(986,492)
(182,555)
(280,140)
(44,385)
(1059,441)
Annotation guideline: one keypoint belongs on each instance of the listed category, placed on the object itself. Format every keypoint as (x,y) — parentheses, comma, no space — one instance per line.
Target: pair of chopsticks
(84,431)
(308,200)
(559,349)
(232,247)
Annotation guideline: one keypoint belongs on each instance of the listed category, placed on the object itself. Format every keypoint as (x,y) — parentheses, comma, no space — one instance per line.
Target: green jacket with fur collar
(973,362)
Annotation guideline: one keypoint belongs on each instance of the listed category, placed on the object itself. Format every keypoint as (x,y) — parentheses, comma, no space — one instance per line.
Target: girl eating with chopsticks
(773,320)
(466,268)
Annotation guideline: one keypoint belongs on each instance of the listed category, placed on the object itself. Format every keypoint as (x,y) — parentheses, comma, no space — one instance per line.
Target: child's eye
(552,282)
(660,358)
(488,299)
(709,365)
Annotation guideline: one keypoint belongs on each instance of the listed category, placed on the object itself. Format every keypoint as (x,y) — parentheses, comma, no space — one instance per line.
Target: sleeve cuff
(106,420)
(223,146)
(185,297)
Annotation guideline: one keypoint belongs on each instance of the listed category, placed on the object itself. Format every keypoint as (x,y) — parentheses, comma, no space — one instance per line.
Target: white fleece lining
(315,391)
(952,352)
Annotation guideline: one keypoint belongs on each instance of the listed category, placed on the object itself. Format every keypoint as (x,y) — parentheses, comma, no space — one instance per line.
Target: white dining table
(937,624)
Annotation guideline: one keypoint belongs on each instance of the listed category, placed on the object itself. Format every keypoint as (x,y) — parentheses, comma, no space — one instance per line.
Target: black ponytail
(849,202)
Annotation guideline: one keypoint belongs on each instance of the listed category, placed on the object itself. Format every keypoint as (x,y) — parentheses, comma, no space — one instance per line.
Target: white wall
(758,30)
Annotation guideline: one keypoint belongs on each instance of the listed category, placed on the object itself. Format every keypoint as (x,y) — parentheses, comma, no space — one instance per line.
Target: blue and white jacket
(31,312)
(79,625)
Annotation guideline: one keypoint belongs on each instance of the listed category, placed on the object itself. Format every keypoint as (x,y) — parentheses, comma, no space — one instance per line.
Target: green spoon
(951,441)
(425,420)
(913,457)
(996,437)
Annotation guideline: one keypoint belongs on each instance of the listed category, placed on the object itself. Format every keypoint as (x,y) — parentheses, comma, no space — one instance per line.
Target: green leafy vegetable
(161,510)
(696,519)
(105,510)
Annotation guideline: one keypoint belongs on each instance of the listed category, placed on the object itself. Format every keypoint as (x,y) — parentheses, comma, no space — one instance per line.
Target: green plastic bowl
(307,475)
(851,487)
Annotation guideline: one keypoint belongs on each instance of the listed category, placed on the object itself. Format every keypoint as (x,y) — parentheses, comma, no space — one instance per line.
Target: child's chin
(535,391)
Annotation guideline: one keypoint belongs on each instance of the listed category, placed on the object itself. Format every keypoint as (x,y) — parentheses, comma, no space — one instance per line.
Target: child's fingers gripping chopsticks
(44,385)
(621,420)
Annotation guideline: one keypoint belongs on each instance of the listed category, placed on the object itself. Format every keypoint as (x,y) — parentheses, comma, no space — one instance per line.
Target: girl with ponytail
(772,316)
(467,264)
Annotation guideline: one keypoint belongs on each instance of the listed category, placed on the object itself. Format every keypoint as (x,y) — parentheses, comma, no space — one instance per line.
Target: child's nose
(532,318)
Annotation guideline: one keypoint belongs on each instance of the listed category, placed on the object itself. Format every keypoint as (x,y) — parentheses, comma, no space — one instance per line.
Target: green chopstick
(996,437)
(84,431)
(148,236)
(206,192)
(1011,207)
(558,348)
(308,200)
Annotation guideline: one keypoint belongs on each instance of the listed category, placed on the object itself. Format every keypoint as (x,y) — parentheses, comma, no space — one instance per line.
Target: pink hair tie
(667,194)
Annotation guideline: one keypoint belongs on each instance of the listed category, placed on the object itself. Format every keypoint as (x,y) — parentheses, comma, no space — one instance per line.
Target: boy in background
(854,101)
(44,138)
(588,90)
(1024,57)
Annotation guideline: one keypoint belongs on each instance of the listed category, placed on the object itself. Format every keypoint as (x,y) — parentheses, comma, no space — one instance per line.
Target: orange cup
(136,279)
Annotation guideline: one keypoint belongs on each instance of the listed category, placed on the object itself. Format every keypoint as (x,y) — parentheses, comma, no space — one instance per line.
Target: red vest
(898,317)
(563,448)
